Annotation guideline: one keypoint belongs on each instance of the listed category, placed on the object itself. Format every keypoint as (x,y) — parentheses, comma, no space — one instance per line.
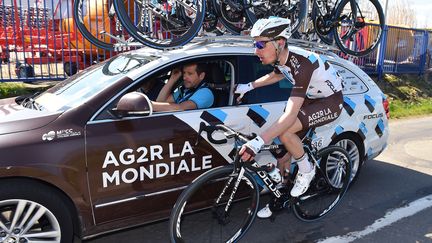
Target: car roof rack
(239,39)
(236,39)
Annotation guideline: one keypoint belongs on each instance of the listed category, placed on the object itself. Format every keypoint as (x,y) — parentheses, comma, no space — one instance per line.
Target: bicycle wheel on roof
(161,23)
(233,19)
(359,26)
(96,21)
(295,10)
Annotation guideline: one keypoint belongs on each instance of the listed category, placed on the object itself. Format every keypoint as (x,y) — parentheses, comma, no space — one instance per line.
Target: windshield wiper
(29,102)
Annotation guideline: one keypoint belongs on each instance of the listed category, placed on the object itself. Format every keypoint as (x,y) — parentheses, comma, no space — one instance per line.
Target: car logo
(48,136)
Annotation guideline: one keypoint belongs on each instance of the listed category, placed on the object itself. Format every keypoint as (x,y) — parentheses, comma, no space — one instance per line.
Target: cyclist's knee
(287,137)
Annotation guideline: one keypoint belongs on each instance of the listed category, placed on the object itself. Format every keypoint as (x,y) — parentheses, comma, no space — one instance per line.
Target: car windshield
(81,87)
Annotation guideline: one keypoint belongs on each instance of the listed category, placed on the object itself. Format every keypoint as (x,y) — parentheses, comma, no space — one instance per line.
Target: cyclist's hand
(251,148)
(242,89)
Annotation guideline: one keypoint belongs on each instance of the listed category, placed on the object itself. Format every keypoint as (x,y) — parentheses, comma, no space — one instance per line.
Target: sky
(422,8)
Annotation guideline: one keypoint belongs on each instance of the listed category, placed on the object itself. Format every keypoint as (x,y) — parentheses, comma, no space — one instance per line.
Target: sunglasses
(261,44)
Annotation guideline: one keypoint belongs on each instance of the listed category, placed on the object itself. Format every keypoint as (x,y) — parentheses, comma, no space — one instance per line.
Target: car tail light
(386,105)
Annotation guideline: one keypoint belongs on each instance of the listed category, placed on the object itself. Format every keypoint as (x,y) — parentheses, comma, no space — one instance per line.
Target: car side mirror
(133,104)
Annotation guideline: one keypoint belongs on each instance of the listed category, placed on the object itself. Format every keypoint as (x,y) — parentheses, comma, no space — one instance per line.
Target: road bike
(225,199)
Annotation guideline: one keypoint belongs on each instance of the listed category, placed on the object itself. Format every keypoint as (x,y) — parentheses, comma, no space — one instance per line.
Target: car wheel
(33,213)
(352,146)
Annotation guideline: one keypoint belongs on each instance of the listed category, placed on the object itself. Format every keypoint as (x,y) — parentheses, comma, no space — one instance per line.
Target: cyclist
(316,98)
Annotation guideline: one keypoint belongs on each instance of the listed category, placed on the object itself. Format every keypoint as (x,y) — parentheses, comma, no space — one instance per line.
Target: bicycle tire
(310,33)
(322,197)
(86,33)
(155,42)
(339,30)
(232,25)
(296,20)
(327,39)
(188,220)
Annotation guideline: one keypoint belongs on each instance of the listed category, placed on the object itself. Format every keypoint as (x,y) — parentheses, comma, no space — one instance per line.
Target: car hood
(15,118)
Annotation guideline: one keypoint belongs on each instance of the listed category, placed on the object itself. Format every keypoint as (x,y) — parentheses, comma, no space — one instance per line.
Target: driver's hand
(175,74)
(251,148)
(242,89)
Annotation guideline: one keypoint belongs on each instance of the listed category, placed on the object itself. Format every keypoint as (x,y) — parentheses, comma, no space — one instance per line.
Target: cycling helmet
(135,102)
(272,27)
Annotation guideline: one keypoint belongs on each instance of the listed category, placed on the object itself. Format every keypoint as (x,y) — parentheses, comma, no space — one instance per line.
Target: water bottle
(274,173)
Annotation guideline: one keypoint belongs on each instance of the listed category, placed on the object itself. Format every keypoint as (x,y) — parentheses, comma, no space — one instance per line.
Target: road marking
(388,219)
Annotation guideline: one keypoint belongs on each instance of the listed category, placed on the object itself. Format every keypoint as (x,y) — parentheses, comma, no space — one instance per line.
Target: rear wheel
(355,152)
(211,210)
(328,187)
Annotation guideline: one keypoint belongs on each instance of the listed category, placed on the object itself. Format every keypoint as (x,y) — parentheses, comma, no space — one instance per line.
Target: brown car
(72,165)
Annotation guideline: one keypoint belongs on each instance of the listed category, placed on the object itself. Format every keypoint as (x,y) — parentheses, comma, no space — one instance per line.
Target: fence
(39,41)
(402,50)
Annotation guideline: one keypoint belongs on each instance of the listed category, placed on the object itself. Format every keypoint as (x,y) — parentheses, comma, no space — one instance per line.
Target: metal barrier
(39,41)
(402,50)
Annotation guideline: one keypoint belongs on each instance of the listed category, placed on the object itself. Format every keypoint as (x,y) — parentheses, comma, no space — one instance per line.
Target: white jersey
(311,77)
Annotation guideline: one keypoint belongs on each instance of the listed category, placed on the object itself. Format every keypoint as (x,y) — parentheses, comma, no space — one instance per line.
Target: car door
(137,166)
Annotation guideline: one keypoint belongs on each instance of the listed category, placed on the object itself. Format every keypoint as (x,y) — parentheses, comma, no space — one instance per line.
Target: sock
(304,165)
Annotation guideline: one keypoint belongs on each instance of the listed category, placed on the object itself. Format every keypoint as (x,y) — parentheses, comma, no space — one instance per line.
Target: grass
(409,95)
(11,89)
(401,109)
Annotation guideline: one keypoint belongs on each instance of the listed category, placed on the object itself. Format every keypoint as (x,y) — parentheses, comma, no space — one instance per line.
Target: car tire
(353,146)
(44,210)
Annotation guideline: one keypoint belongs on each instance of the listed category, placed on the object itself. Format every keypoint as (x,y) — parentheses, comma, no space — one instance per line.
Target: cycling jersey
(310,75)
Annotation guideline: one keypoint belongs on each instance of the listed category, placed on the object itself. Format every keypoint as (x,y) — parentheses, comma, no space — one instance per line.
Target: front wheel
(328,187)
(213,209)
(32,212)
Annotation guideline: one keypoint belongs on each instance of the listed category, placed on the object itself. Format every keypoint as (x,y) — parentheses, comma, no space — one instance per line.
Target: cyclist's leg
(284,162)
(313,113)
(284,166)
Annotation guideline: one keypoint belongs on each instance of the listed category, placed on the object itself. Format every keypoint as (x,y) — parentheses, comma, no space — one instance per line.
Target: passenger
(192,94)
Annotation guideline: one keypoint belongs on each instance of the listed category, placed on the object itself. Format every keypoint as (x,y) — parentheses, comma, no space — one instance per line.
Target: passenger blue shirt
(202,97)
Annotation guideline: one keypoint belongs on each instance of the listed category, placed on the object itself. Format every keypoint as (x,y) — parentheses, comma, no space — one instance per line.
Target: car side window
(250,69)
(352,84)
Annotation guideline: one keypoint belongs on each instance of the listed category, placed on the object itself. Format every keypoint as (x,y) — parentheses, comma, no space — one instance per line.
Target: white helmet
(272,27)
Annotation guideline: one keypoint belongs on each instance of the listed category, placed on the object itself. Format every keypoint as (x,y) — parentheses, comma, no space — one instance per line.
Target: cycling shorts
(318,112)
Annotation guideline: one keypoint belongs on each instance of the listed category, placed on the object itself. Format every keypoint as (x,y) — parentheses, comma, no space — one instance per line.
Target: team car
(72,165)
